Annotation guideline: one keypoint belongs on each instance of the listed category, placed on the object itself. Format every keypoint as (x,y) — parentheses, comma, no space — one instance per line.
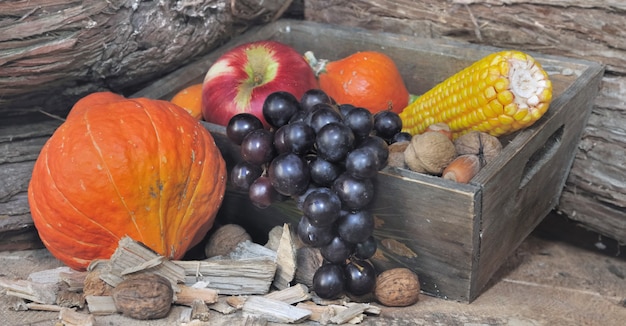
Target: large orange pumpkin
(137,167)
(367,79)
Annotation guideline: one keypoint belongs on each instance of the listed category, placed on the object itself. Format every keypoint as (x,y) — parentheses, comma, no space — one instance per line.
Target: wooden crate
(455,236)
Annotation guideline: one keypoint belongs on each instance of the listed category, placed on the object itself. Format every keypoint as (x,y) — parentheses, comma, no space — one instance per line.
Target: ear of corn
(499,94)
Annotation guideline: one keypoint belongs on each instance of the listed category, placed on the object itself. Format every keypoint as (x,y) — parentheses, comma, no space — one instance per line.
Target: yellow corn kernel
(499,94)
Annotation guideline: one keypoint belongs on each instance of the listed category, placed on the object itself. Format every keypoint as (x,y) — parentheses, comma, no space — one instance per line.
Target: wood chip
(254,321)
(249,269)
(187,295)
(70,317)
(199,310)
(44,293)
(274,310)
(48,276)
(291,295)
(43,307)
(320,314)
(222,306)
(236,301)
(285,260)
(101,305)
(353,311)
(131,257)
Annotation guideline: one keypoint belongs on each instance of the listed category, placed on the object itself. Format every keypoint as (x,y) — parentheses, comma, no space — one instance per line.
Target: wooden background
(595,192)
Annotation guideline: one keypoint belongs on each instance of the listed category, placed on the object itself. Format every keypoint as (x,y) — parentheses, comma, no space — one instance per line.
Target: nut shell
(144,296)
(397,287)
(429,152)
(486,146)
(225,240)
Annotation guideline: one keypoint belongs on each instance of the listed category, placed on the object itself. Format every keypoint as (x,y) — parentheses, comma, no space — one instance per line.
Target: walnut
(429,152)
(397,287)
(225,239)
(144,296)
(486,146)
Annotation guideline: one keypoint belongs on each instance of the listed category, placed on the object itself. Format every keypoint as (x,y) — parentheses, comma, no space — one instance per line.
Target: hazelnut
(429,152)
(144,296)
(225,239)
(397,287)
(486,146)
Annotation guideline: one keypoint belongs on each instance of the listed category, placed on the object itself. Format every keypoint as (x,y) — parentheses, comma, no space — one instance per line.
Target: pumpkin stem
(318,65)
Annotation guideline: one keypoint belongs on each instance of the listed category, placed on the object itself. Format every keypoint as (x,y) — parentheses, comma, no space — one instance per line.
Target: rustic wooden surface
(54,51)
(545,282)
(595,192)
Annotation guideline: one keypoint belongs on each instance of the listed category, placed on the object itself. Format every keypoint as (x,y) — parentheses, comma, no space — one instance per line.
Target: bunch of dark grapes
(324,156)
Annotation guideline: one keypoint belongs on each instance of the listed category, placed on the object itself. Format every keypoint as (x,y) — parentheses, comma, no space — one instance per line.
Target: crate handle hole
(541,156)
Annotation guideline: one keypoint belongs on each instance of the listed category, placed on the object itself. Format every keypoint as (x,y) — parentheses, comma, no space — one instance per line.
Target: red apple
(241,79)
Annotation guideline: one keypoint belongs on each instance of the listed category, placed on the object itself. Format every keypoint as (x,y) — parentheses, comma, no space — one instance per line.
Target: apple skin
(241,79)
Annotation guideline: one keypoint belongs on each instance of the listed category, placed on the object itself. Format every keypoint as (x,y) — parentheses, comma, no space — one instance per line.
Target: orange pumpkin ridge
(119,167)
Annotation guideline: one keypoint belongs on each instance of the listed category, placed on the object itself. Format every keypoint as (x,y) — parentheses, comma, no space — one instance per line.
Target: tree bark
(54,51)
(595,192)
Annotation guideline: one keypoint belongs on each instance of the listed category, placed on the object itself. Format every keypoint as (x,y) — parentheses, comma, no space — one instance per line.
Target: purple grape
(345,108)
(337,251)
(312,97)
(328,281)
(401,136)
(334,141)
(379,146)
(279,107)
(362,163)
(323,172)
(366,249)
(361,122)
(257,147)
(261,192)
(387,124)
(314,236)
(323,114)
(354,193)
(299,137)
(360,277)
(322,207)
(289,174)
(355,226)
(243,175)
(240,125)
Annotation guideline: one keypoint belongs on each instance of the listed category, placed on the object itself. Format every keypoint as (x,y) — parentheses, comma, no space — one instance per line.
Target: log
(53,52)
(595,191)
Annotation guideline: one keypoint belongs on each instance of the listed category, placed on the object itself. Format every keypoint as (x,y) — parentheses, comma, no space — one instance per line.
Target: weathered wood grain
(595,191)
(53,52)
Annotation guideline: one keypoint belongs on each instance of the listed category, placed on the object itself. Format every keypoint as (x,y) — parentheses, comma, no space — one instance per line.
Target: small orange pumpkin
(190,99)
(138,167)
(367,79)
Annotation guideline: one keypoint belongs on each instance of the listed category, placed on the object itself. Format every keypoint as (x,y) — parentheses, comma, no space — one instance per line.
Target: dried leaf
(398,248)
